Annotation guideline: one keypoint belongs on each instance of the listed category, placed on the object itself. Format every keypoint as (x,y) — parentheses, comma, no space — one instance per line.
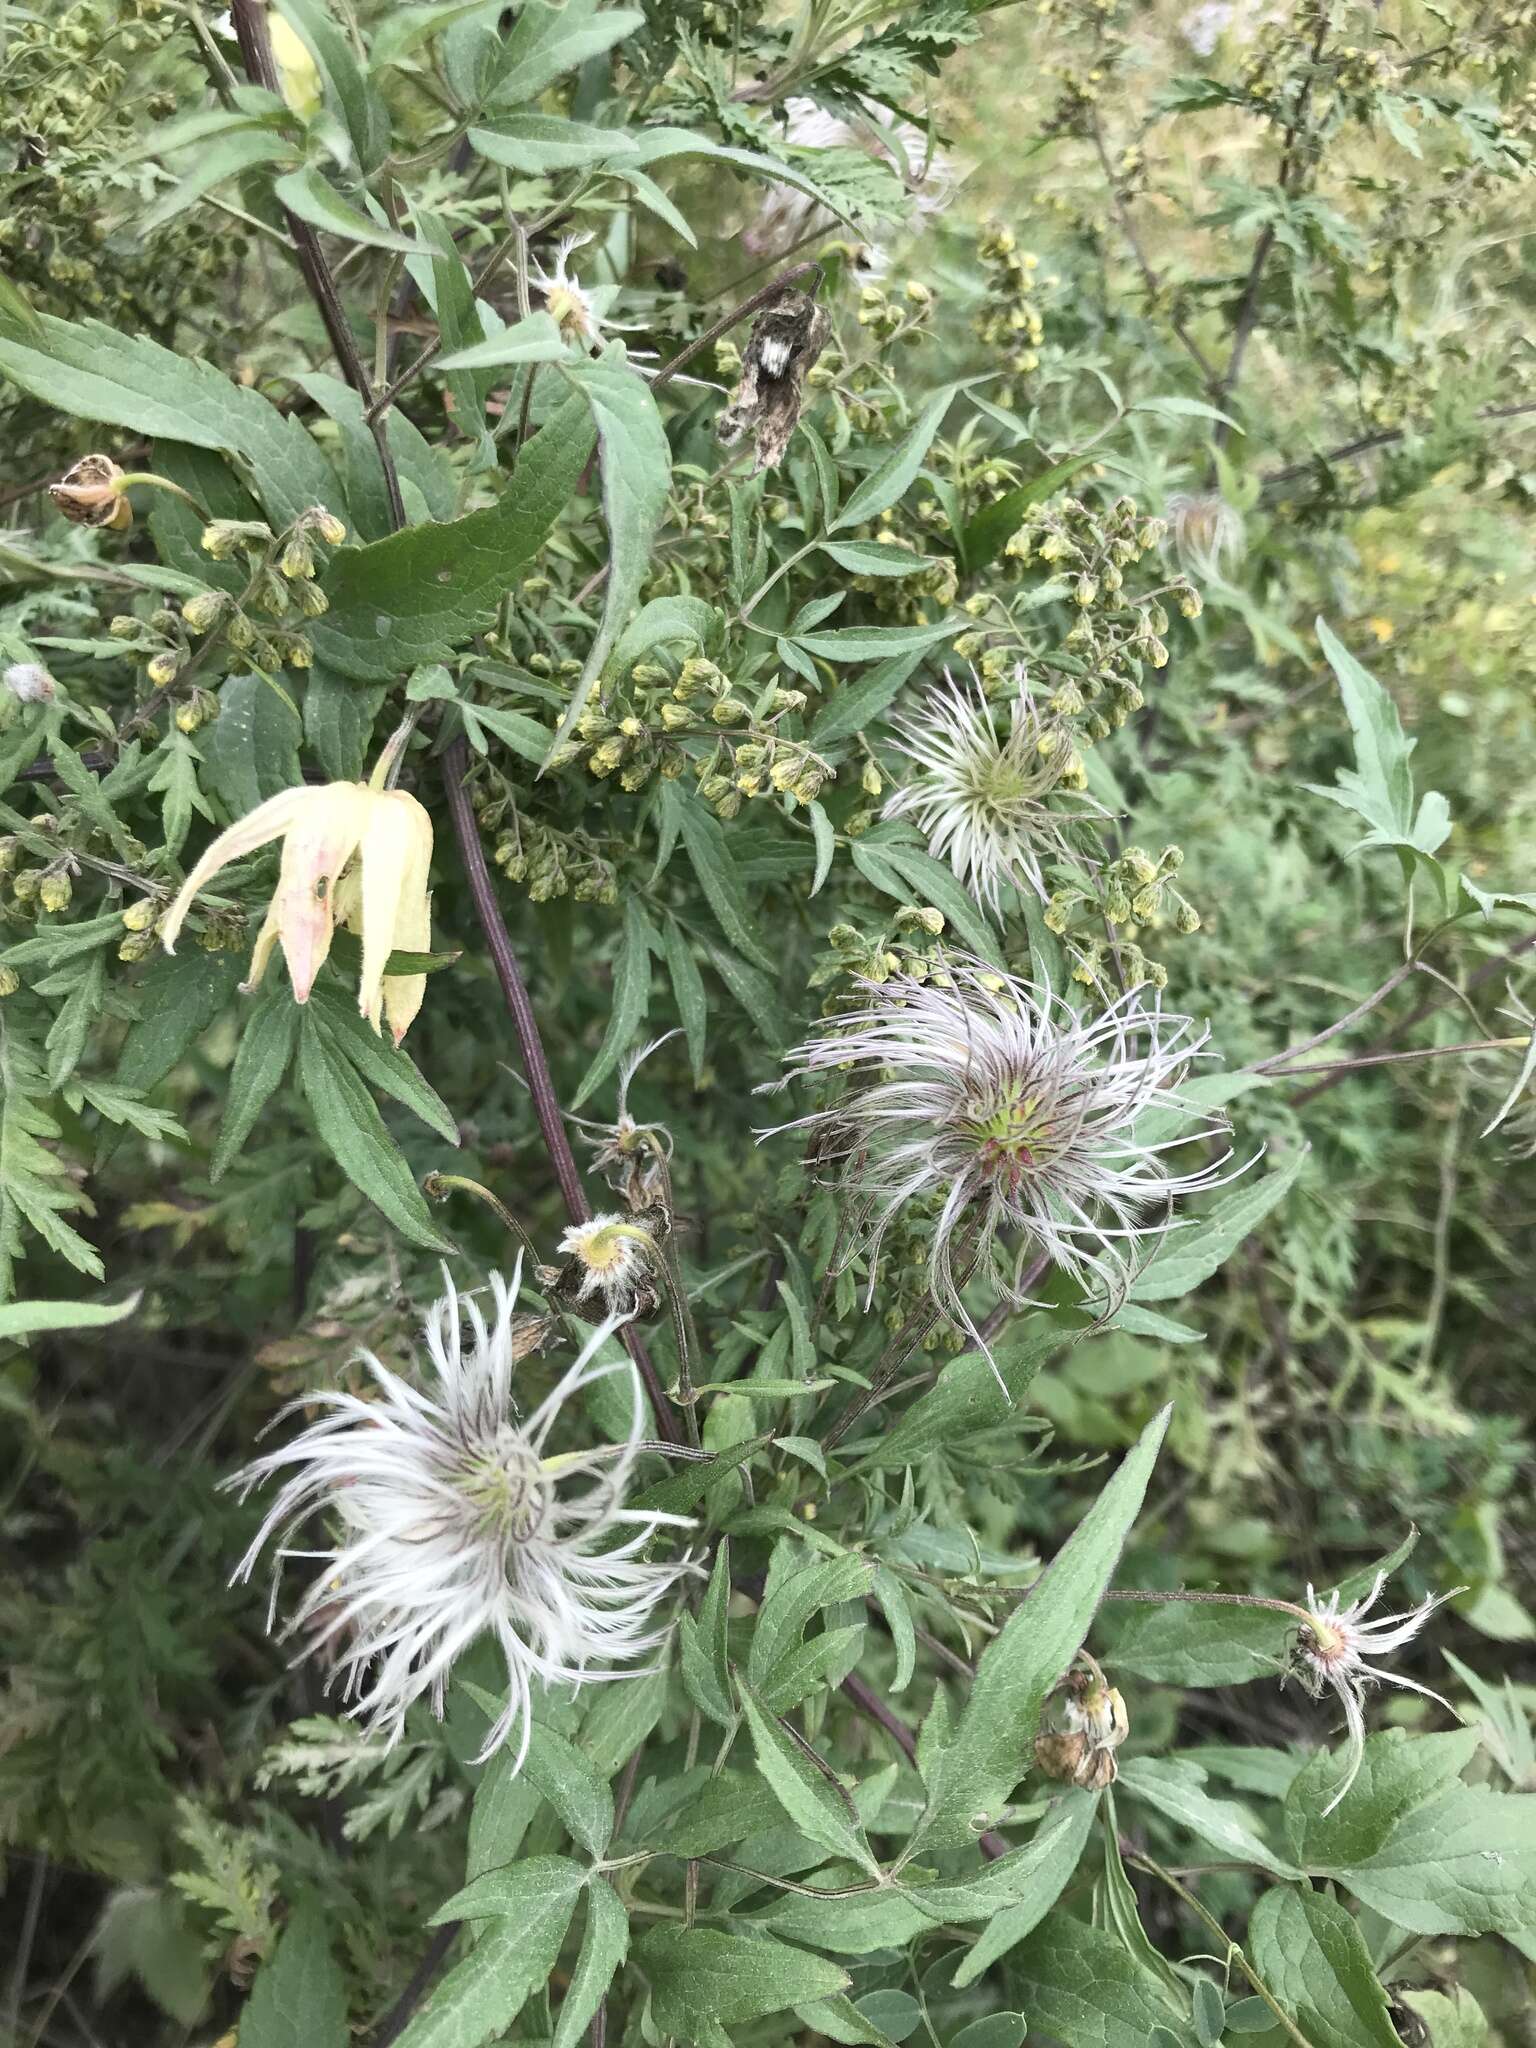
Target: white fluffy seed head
(1338,1651)
(447,1518)
(1013,1123)
(987,787)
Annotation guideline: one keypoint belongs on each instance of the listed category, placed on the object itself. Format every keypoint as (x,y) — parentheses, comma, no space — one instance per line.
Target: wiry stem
(455,764)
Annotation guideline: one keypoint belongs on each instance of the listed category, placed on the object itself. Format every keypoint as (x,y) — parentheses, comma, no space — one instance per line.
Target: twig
(1150,277)
(1272,478)
(1361,1009)
(455,765)
(250,25)
(398,2017)
(1384,1059)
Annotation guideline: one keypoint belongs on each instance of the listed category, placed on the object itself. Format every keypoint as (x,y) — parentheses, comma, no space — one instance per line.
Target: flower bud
(163,668)
(204,611)
(55,890)
(327,525)
(10,981)
(140,916)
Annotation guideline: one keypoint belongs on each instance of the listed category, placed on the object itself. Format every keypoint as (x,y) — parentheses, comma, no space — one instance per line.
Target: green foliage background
(1278,256)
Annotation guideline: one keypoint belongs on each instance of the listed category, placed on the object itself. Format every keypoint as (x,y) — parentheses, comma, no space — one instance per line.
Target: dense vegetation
(772,597)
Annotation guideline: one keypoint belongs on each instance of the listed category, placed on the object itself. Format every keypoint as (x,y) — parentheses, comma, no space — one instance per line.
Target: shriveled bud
(675,716)
(139,946)
(196,710)
(92,494)
(29,682)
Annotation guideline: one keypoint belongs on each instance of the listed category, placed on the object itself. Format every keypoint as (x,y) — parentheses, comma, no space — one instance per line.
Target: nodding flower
(351,853)
(568,305)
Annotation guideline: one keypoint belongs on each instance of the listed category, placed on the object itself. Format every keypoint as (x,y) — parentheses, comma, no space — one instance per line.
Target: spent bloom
(351,852)
(615,1258)
(450,1518)
(1018,1120)
(29,682)
(94,493)
(984,777)
(786,216)
(1208,534)
(1338,1648)
(572,309)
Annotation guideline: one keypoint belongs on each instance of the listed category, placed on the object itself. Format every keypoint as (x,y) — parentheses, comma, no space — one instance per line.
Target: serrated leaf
(534,340)
(1191,1643)
(481,1996)
(965,1401)
(877,643)
(815,1807)
(637,475)
(703,1647)
(308,195)
(1188,1256)
(382,1064)
(604,1945)
(571,1783)
(1042,1869)
(299,1998)
(549,41)
(416,596)
(353,1132)
(1175,1788)
(1311,1956)
(266,1047)
(1083,1988)
(251,751)
(898,472)
(539,143)
(872,558)
(629,1001)
(702,1981)
(978,1769)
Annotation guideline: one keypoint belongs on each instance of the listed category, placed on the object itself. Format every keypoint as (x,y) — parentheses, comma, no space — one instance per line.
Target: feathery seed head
(451,1519)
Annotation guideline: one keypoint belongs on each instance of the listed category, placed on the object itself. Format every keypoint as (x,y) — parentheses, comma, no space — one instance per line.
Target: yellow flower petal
(267,822)
(318,847)
(396,851)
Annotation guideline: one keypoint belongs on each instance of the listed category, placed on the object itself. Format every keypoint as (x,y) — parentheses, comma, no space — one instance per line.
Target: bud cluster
(1134,895)
(896,317)
(1010,321)
(676,718)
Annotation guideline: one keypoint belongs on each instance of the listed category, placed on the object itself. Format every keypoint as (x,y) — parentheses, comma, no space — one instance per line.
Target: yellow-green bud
(55,890)
(730,711)
(607,757)
(675,716)
(870,780)
(298,557)
(125,627)
(328,526)
(204,611)
(311,600)
(140,916)
(139,946)
(1186,918)
(162,669)
(10,981)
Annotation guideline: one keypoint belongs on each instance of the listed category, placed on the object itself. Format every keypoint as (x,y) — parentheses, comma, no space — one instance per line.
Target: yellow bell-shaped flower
(352,853)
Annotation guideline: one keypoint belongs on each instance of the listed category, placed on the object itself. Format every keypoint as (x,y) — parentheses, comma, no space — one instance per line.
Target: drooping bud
(93,494)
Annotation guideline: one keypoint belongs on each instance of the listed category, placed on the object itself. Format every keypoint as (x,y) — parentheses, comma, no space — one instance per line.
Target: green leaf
(534,340)
(251,751)
(1176,407)
(933,881)
(416,596)
(504,1808)
(688,993)
(855,706)
(382,1064)
(353,1133)
(481,1996)
(660,145)
(637,474)
(299,1999)
(631,997)
(965,1401)
(821,1813)
(1083,1988)
(235,151)
(703,1645)
(990,1751)
(790,1603)
(1414,1842)
(266,1047)
(549,41)
(568,1780)
(538,143)
(1175,1788)
(898,472)
(306,194)
(1040,1873)
(715,867)
(1310,1954)
(876,643)
(872,558)
(362,110)
(178,999)
(1379,788)
(703,1982)
(1191,1643)
(996,524)
(128,381)
(604,1945)
(27,1318)
(1188,1256)
(338,722)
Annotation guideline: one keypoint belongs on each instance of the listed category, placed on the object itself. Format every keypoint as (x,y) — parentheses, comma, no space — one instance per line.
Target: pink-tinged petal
(396,850)
(257,828)
(261,952)
(314,854)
